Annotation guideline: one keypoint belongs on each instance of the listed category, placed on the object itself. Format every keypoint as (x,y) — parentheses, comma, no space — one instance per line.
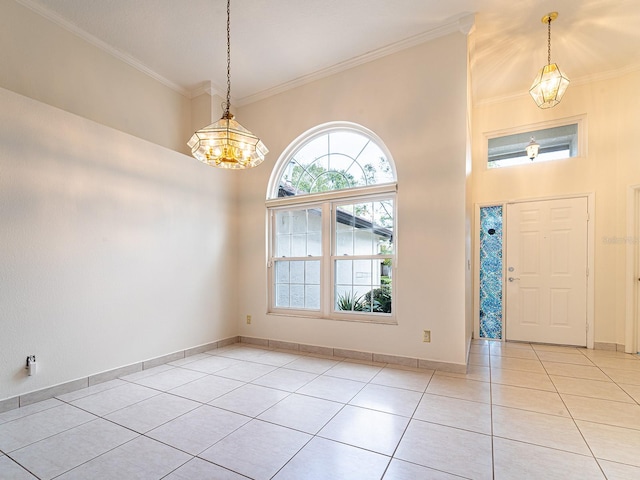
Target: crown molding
(207,87)
(128,59)
(462,23)
(467,23)
(459,24)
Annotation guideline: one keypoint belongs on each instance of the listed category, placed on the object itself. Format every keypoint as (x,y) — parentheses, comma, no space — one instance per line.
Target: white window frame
(327,204)
(326,201)
(580,120)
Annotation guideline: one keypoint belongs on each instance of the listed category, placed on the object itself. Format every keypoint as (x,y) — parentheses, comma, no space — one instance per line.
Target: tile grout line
(493,447)
(574,421)
(290,393)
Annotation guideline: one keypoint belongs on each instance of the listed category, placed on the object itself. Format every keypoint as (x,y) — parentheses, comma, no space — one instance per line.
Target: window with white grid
(332,217)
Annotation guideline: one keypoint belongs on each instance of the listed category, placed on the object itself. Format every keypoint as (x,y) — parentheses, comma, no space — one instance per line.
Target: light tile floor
(522,412)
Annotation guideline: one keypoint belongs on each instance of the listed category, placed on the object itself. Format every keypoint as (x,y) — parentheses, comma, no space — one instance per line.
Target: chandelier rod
(228,104)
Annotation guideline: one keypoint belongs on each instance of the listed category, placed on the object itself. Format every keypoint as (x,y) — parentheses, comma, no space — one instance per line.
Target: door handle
(511,279)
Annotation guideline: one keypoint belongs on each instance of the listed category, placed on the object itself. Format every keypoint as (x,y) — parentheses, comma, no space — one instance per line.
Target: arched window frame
(316,132)
(325,204)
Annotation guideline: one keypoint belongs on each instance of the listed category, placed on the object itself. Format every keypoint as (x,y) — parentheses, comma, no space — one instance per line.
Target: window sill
(376,320)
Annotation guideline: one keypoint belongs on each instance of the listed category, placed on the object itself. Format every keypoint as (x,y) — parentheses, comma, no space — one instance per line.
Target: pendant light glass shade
(532,149)
(549,86)
(550,83)
(226,143)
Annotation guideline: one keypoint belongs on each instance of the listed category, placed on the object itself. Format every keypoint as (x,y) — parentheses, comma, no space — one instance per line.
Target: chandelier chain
(549,41)
(228,57)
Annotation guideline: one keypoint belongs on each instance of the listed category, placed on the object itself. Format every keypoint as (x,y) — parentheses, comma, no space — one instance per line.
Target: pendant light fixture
(532,149)
(226,143)
(550,83)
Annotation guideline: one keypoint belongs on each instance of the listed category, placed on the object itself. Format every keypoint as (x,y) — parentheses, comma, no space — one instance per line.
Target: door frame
(590,259)
(632,320)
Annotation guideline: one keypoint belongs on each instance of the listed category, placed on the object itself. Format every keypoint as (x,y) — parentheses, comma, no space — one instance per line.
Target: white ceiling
(277,44)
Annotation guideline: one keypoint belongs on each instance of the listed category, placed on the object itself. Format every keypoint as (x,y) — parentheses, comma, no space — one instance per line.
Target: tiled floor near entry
(522,412)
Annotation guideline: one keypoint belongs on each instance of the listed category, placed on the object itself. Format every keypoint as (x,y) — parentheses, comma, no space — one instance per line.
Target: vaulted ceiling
(277,44)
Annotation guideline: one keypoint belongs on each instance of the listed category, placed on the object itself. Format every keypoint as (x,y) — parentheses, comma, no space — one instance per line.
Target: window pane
(364,242)
(363,285)
(346,300)
(555,143)
(297,296)
(297,272)
(282,272)
(297,284)
(344,272)
(372,226)
(382,294)
(283,245)
(298,221)
(314,220)
(336,160)
(314,244)
(283,224)
(312,297)
(363,211)
(312,272)
(347,143)
(341,163)
(298,233)
(359,174)
(362,272)
(282,295)
(383,214)
(344,242)
(312,150)
(371,154)
(299,245)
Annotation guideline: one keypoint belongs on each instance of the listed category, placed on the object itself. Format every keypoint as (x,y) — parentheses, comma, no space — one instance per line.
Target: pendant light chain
(228,58)
(549,41)
(226,143)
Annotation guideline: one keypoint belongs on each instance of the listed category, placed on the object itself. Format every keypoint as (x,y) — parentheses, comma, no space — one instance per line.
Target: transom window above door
(558,140)
(332,215)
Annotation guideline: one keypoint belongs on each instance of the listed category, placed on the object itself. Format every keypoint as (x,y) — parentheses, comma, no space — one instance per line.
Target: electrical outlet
(426,336)
(248,319)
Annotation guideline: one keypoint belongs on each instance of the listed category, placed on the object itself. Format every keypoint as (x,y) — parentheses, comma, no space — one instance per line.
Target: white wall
(116,250)
(113,250)
(612,108)
(416,102)
(43,61)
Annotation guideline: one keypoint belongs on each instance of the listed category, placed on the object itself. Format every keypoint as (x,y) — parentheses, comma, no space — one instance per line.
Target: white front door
(546,278)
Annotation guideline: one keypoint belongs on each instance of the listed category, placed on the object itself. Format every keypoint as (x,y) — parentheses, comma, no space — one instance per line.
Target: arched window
(331,204)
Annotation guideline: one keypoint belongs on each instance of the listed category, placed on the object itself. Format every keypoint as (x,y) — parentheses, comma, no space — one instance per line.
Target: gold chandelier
(226,143)
(550,83)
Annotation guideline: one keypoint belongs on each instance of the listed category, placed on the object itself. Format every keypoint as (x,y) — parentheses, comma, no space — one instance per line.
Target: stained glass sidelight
(491,272)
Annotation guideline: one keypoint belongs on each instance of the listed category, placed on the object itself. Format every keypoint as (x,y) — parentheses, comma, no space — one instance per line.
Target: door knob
(511,279)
